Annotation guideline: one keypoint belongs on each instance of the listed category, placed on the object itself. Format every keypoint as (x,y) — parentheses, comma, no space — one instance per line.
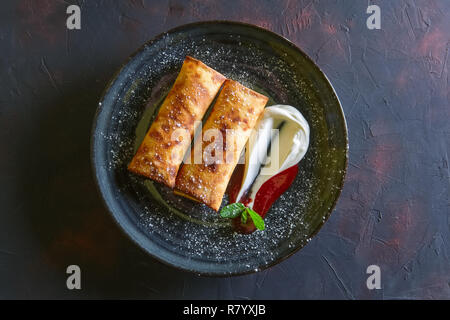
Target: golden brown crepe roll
(163,148)
(206,177)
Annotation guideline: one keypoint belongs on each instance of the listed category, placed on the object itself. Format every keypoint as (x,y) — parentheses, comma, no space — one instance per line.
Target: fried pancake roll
(165,144)
(224,136)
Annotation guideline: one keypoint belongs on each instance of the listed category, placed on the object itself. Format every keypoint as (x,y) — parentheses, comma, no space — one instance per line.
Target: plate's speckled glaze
(188,235)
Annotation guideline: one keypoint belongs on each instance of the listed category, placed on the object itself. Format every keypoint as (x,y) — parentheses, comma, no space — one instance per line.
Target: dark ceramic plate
(188,235)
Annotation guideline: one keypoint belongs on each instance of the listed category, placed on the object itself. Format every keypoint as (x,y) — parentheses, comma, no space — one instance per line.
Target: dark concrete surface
(394,209)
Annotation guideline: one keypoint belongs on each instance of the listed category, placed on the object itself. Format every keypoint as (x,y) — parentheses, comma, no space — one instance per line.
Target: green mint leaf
(232,210)
(244,217)
(257,220)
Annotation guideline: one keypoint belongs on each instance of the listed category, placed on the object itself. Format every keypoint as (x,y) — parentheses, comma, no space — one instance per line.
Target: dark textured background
(394,210)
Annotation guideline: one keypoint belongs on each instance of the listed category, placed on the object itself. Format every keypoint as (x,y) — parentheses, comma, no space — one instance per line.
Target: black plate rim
(99,109)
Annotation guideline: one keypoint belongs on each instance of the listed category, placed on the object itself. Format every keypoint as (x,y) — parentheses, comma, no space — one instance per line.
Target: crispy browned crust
(162,150)
(237,108)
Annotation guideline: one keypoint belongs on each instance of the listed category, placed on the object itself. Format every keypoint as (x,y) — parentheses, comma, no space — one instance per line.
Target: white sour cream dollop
(264,157)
